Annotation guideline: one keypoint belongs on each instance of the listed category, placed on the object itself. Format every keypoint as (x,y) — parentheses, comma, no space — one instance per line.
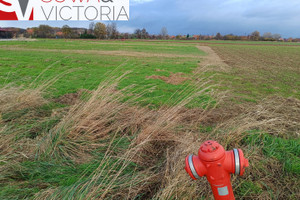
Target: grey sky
(204,17)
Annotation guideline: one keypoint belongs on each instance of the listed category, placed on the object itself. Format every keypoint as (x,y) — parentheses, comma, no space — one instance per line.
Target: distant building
(196,37)
(79,31)
(244,37)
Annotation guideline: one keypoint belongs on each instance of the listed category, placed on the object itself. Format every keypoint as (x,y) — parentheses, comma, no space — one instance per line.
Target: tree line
(110,31)
(95,31)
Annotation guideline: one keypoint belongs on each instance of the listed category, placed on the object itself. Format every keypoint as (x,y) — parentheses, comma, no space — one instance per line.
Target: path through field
(212,59)
(100,52)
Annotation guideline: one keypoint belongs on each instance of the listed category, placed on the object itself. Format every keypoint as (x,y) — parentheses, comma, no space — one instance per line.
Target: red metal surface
(217,165)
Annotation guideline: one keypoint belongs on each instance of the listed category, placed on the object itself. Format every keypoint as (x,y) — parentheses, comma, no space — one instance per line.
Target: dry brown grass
(18,98)
(90,123)
(160,141)
(160,146)
(13,99)
(13,150)
(267,116)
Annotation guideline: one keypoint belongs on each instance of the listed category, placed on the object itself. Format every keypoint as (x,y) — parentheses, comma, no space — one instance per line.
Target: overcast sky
(204,17)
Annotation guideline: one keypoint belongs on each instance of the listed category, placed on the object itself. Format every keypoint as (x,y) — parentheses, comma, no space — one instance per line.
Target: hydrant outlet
(216,164)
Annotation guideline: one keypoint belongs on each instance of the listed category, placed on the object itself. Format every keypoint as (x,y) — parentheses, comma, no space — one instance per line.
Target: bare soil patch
(71,98)
(174,78)
(160,70)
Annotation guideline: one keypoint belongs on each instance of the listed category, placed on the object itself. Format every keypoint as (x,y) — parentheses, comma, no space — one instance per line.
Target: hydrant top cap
(209,146)
(211,151)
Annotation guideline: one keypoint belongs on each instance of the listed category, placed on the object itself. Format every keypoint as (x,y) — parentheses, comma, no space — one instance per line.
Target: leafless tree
(276,36)
(112,31)
(91,27)
(164,32)
(138,33)
(144,34)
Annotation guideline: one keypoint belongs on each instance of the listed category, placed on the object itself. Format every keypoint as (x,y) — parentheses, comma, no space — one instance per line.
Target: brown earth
(71,98)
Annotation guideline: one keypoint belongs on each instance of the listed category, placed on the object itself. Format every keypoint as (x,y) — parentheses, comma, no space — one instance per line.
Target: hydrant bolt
(217,164)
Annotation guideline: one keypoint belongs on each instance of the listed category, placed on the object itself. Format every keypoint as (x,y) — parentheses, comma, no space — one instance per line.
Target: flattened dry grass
(18,98)
(13,148)
(102,117)
(266,171)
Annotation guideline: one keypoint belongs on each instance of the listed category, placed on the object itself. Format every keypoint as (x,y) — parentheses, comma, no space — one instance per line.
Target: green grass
(286,151)
(248,188)
(276,75)
(146,47)
(29,177)
(87,71)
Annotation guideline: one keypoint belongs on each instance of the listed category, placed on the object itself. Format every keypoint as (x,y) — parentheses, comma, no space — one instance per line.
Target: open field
(88,119)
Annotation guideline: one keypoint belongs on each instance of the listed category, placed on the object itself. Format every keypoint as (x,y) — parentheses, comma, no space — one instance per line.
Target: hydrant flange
(217,164)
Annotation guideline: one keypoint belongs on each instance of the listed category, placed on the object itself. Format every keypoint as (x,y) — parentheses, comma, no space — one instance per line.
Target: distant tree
(138,33)
(231,37)
(100,30)
(152,36)
(255,35)
(115,31)
(126,35)
(108,31)
(67,31)
(44,31)
(144,34)
(91,28)
(164,32)
(112,31)
(187,36)
(219,36)
(267,35)
(276,36)
(178,37)
(86,35)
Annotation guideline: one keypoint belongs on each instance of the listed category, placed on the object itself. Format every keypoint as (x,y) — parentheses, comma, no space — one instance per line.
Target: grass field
(89,119)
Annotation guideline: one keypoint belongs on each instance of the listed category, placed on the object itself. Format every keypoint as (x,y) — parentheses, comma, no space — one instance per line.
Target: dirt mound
(174,79)
(69,99)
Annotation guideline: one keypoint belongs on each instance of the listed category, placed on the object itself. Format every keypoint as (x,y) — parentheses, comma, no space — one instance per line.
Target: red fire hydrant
(217,165)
